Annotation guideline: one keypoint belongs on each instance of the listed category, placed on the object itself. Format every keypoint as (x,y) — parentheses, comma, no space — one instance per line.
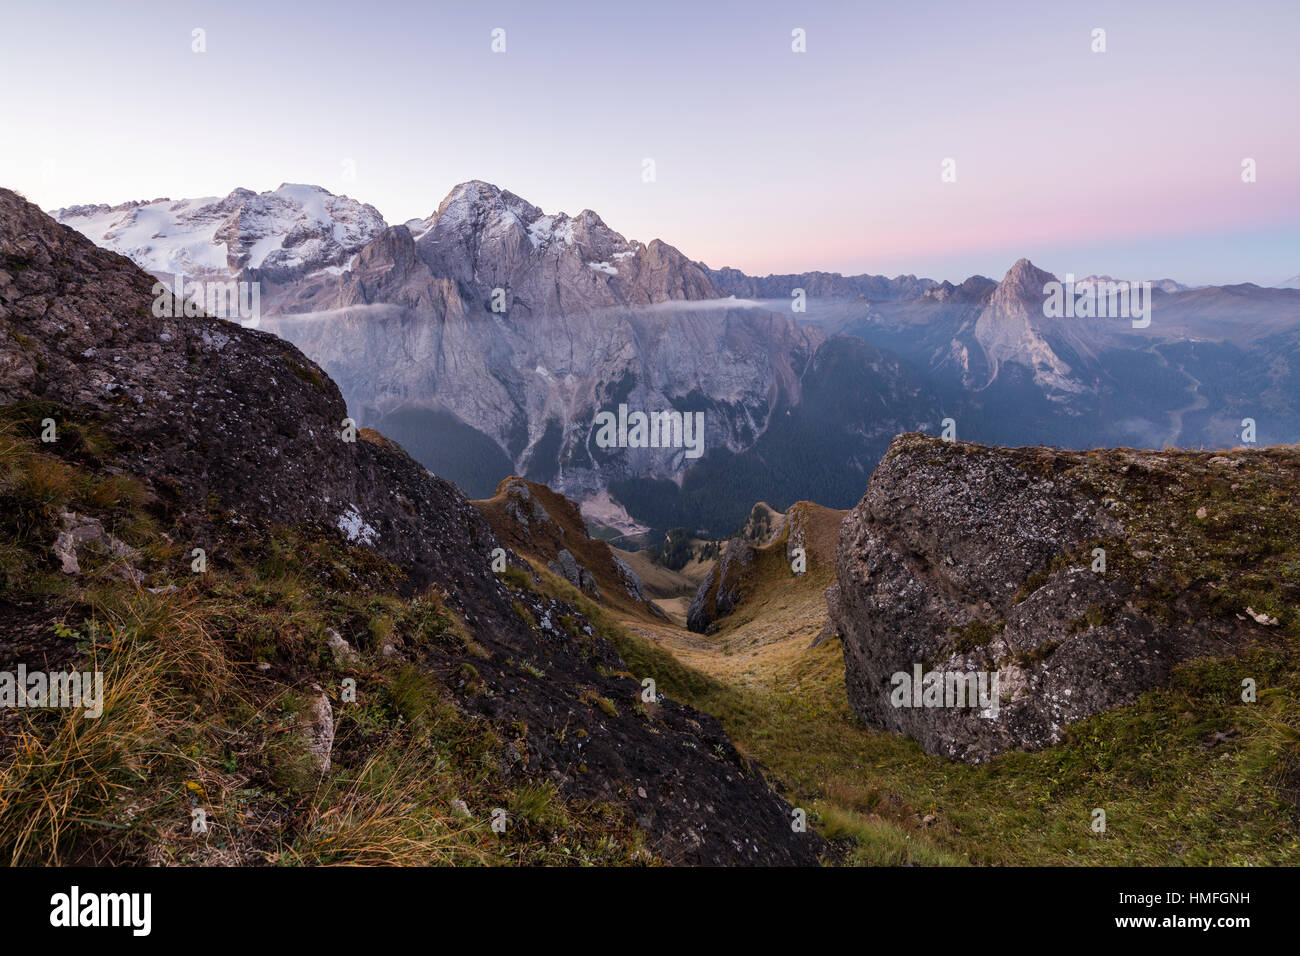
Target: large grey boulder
(963,560)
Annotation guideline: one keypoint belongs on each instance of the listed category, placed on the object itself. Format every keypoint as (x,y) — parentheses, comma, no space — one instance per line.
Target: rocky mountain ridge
(487,336)
(236,433)
(798,544)
(831,285)
(539,523)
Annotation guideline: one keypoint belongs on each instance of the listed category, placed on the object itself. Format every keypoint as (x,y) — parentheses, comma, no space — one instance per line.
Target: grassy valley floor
(1188,775)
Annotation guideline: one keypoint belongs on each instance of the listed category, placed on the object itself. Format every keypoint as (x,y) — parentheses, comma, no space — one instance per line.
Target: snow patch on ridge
(355,528)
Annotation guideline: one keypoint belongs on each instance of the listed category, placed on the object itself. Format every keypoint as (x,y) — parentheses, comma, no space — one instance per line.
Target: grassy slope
(193,722)
(670,591)
(660,581)
(1188,774)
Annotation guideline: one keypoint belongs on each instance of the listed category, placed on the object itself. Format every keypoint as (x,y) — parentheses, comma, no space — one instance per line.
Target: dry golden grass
(61,786)
(382,816)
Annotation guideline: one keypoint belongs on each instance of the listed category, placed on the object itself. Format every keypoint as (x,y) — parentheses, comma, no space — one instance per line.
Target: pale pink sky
(1126,162)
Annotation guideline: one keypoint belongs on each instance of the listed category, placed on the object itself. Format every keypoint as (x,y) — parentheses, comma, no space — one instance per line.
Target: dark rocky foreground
(965,558)
(224,421)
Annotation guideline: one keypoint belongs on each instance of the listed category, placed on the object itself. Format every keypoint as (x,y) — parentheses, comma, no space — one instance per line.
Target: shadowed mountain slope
(236,436)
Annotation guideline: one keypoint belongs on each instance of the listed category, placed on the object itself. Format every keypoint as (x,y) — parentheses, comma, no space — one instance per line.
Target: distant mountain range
(486,337)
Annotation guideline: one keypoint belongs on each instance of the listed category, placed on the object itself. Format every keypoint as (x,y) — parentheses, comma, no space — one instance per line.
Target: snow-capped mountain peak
(486,237)
(284,233)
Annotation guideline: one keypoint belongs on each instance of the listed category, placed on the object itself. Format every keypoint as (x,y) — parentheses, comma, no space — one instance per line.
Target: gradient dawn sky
(1127,162)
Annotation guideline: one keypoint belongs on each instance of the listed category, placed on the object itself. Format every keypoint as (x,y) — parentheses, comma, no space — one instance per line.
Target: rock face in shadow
(962,559)
(234,428)
(720,592)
